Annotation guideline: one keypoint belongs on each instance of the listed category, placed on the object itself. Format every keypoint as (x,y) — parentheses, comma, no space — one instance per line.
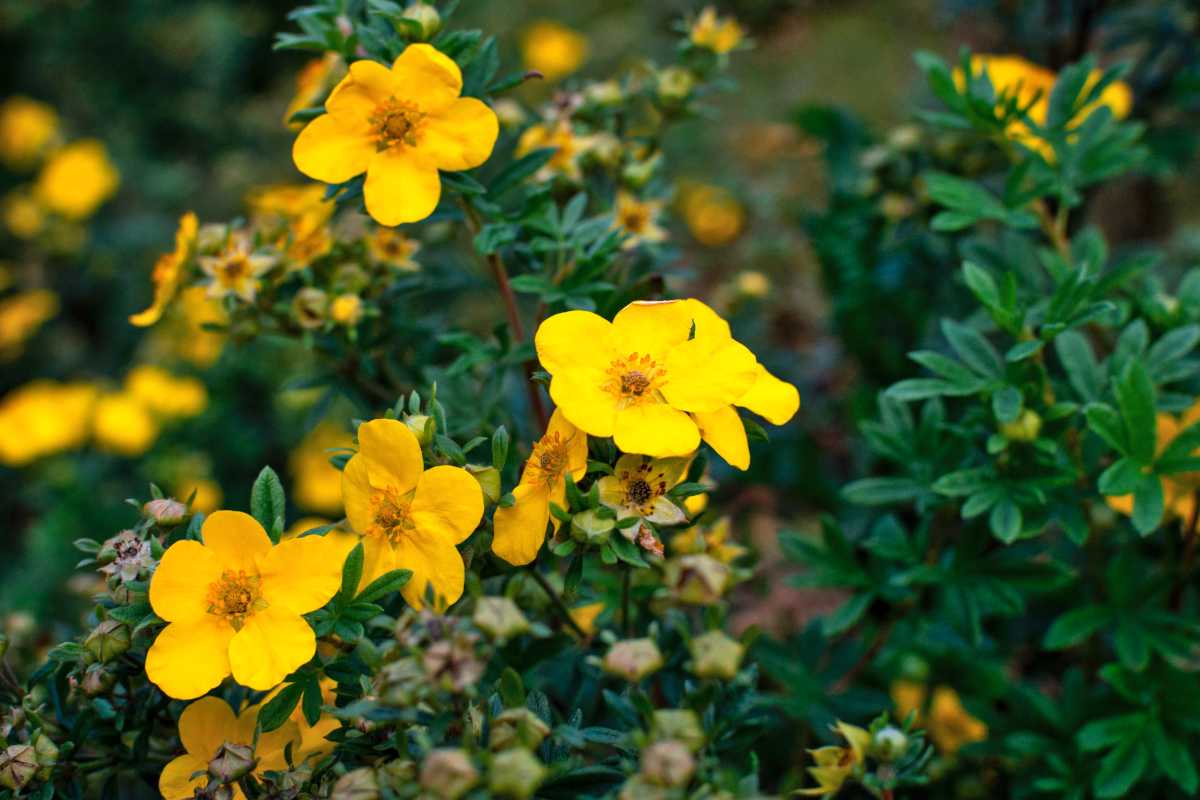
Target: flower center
(549,459)
(641,487)
(638,492)
(235,596)
(635,379)
(635,220)
(393,516)
(234,269)
(396,122)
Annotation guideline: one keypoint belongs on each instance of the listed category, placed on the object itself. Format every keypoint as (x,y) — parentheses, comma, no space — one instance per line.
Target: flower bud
(358,784)
(509,112)
(753,284)
(1025,428)
(603,93)
(516,773)
(232,762)
(499,618)
(889,743)
(46,753)
(675,84)
(668,763)
(347,310)
(679,724)
(633,659)
(310,307)
(697,579)
(421,426)
(517,727)
(394,775)
(489,481)
(716,655)
(17,765)
(591,528)
(97,680)
(638,173)
(107,641)
(165,511)
(448,773)
(427,17)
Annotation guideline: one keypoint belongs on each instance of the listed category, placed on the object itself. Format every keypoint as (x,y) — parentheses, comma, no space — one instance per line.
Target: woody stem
(559,605)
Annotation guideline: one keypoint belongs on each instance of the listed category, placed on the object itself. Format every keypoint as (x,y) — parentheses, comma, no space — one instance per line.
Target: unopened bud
(516,773)
(232,762)
(358,784)
(448,773)
(591,528)
(17,765)
(517,727)
(46,753)
(107,641)
(889,743)
(97,680)
(675,84)
(499,618)
(165,511)
(697,579)
(633,659)
(1025,428)
(423,427)
(425,16)
(716,655)
(211,238)
(668,763)
(310,308)
(347,310)
(489,481)
(679,724)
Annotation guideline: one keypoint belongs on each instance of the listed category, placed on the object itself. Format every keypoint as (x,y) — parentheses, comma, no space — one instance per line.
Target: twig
(563,611)
(1055,227)
(881,637)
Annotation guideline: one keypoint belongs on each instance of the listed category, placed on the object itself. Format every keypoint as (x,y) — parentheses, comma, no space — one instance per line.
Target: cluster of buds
(668,755)
(434,656)
(21,764)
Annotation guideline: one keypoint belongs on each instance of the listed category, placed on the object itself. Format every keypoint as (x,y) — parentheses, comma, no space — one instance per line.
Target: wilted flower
(499,617)
(697,579)
(310,307)
(633,659)
(77,179)
(716,655)
(357,784)
(448,773)
(553,49)
(637,219)
(668,763)
(452,663)
(18,763)
(638,488)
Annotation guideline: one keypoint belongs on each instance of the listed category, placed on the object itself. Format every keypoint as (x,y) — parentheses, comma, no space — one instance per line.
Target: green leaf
(500,443)
(1105,422)
(975,351)
(1173,757)
(516,172)
(279,708)
(1075,626)
(881,491)
(1102,733)
(1122,477)
(627,551)
(1005,521)
(392,581)
(512,688)
(312,701)
(1121,768)
(847,614)
(1006,404)
(1148,504)
(1131,644)
(267,502)
(1077,359)
(352,569)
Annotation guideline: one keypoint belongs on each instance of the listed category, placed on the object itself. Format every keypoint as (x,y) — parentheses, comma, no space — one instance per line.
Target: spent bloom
(409,517)
(719,34)
(77,179)
(553,49)
(168,272)
(521,528)
(388,247)
(399,126)
(234,605)
(130,556)
(638,488)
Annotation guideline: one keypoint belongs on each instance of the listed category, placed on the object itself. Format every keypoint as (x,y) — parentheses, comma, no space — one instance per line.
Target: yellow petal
(460,136)
(179,588)
(378,559)
(331,151)
(704,374)
(652,326)
(272,643)
(356,493)
(271,746)
(724,432)
(434,562)
(427,76)
(448,498)
(189,658)
(583,402)
(367,84)
(236,539)
(175,782)
(205,725)
(707,321)
(391,454)
(521,528)
(775,400)
(302,574)
(655,429)
(402,186)
(574,339)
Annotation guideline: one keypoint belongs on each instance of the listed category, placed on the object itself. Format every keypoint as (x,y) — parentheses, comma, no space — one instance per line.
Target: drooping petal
(175,782)
(205,725)
(574,339)
(302,574)
(704,374)
(775,400)
(236,539)
(724,432)
(521,528)
(179,588)
(448,498)
(460,136)
(272,643)
(652,326)
(391,453)
(580,395)
(367,85)
(655,429)
(331,151)
(402,186)
(189,658)
(356,494)
(427,77)
(434,562)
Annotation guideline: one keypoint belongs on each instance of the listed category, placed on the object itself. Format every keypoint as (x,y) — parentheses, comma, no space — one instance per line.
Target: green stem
(563,611)
(626,579)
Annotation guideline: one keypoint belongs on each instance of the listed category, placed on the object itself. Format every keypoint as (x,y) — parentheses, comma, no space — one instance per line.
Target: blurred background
(797,212)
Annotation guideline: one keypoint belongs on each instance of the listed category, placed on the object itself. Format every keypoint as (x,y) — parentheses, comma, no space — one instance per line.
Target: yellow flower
(77,179)
(166,395)
(388,247)
(316,483)
(400,126)
(715,33)
(190,339)
(638,219)
(296,218)
(638,489)
(21,315)
(585,616)
(521,528)
(752,283)
(236,269)
(950,726)
(710,540)
(234,605)
(23,216)
(205,493)
(834,765)
(567,148)
(169,272)
(346,309)
(123,425)
(312,82)
(410,517)
(553,49)
(42,418)
(1179,489)
(27,128)
(207,724)
(713,215)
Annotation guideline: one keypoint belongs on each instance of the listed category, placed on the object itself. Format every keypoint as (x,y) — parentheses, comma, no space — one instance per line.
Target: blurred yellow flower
(585,616)
(400,126)
(295,217)
(553,49)
(410,517)
(950,726)
(521,528)
(1179,489)
(388,247)
(23,216)
(567,149)
(234,605)
(77,179)
(206,494)
(167,396)
(189,338)
(168,272)
(638,219)
(713,215)
(44,417)
(236,269)
(752,283)
(346,309)
(123,425)
(835,765)
(316,483)
(312,83)
(20,317)
(711,540)
(207,724)
(719,34)
(27,128)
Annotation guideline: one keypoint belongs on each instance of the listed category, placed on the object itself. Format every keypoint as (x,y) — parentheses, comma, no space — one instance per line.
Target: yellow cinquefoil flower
(950,726)
(124,425)
(312,82)
(77,179)
(521,528)
(167,396)
(296,219)
(205,493)
(236,269)
(719,34)
(42,418)
(27,128)
(585,616)
(713,215)
(568,147)
(638,219)
(20,317)
(553,49)
(835,765)
(23,216)
(638,489)
(234,605)
(388,247)
(400,126)
(710,540)
(185,335)
(316,483)
(409,517)
(1179,489)
(207,724)
(169,272)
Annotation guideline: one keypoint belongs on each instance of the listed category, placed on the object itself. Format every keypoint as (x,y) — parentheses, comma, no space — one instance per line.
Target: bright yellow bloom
(638,488)
(189,338)
(207,724)
(124,425)
(27,128)
(169,272)
(296,218)
(410,517)
(553,49)
(167,396)
(42,418)
(23,216)
(234,604)
(713,215)
(834,765)
(77,179)
(205,493)
(312,82)
(638,219)
(719,34)
(568,147)
(709,540)
(388,247)
(346,309)
(1179,489)
(521,528)
(236,269)
(400,126)
(316,483)
(21,315)
(950,726)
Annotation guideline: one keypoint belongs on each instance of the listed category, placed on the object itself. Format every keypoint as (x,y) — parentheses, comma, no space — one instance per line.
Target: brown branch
(881,637)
